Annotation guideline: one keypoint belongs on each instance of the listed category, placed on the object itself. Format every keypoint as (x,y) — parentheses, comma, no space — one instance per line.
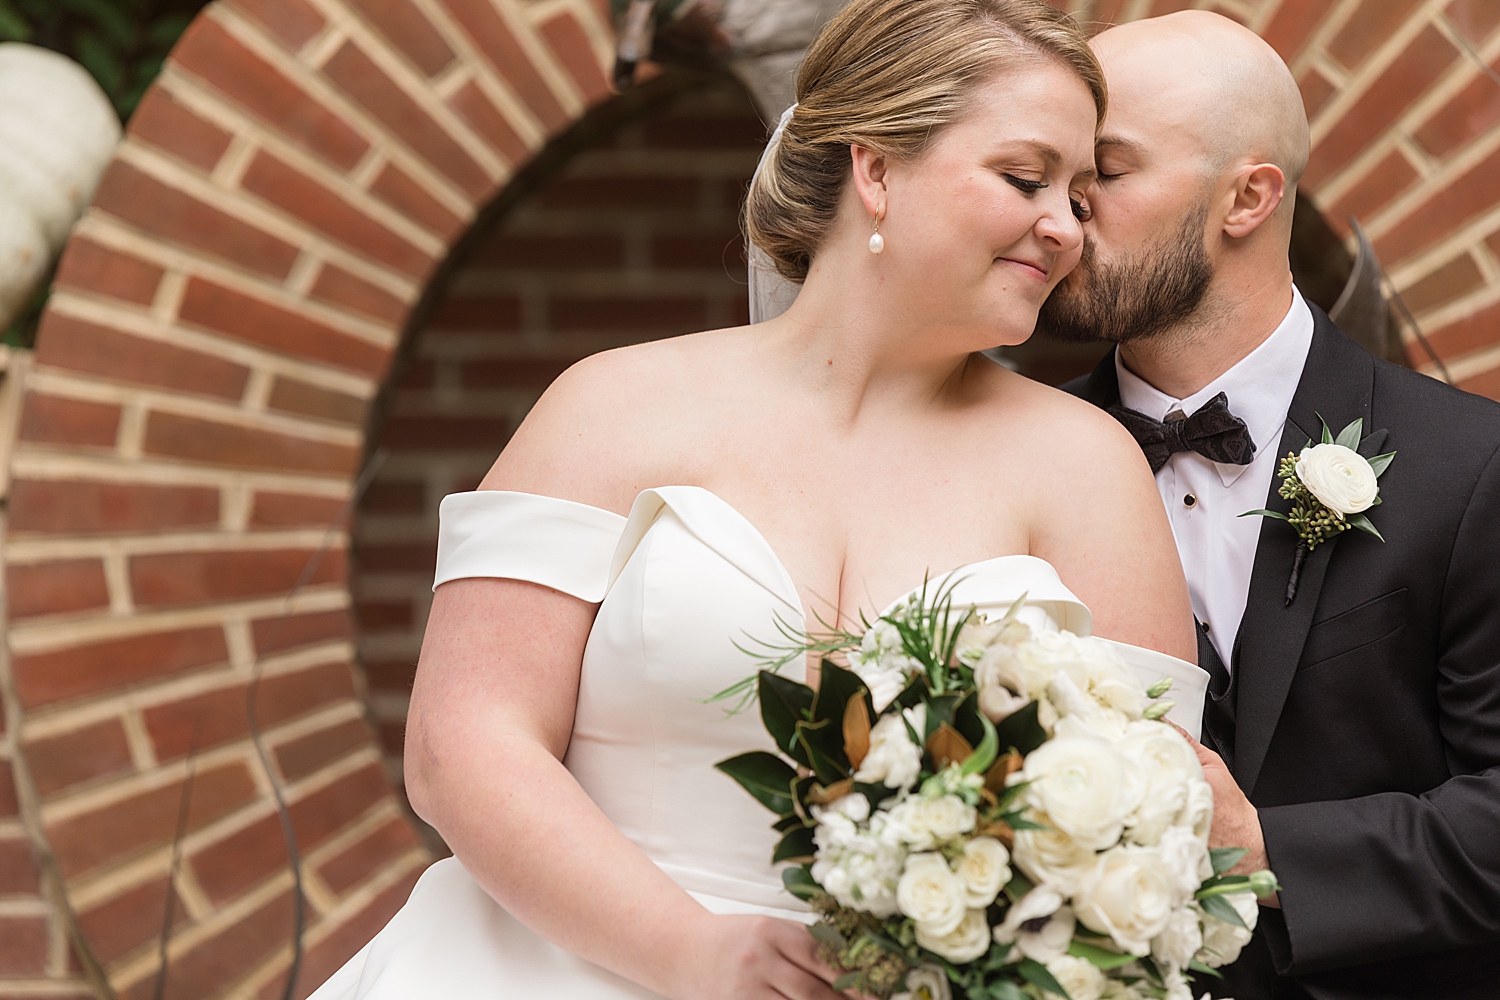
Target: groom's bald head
(1199,157)
(1216,82)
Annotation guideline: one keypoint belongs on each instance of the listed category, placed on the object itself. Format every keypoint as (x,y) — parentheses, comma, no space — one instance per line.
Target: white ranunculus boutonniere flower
(1330,485)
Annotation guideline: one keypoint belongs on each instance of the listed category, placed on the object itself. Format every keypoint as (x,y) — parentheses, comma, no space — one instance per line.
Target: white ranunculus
(1339,477)
(894,759)
(1129,896)
(926,982)
(968,940)
(984,868)
(1198,812)
(1080,715)
(1186,855)
(1085,787)
(1080,977)
(1052,858)
(1222,940)
(1180,940)
(1039,925)
(923,821)
(931,894)
(1166,765)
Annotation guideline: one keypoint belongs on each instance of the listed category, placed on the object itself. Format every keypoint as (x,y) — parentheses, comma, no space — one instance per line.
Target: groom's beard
(1133,296)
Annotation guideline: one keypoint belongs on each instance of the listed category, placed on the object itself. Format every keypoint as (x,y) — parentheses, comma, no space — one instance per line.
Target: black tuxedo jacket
(1363,720)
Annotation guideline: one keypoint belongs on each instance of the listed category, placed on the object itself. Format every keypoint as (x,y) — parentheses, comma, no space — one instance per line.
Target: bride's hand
(759,958)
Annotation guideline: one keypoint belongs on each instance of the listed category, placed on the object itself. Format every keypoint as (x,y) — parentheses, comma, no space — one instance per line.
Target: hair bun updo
(889,75)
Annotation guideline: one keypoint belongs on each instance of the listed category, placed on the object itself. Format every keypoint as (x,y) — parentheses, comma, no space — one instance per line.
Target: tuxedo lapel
(1337,383)
(1102,387)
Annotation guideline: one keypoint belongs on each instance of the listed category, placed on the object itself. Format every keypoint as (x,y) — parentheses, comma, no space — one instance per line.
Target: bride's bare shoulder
(1074,433)
(610,425)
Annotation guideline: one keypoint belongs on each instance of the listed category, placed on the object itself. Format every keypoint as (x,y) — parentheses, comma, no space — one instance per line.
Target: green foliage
(122,43)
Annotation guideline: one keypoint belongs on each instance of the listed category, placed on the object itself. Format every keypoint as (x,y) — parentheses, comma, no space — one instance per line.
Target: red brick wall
(635,238)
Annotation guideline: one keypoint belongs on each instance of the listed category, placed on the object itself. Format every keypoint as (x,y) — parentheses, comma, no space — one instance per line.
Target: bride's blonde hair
(889,75)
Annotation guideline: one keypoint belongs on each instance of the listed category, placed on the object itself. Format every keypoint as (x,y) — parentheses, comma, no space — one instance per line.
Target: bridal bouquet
(976,806)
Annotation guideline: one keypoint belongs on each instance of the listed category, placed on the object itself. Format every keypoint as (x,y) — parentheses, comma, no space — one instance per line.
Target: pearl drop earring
(877,242)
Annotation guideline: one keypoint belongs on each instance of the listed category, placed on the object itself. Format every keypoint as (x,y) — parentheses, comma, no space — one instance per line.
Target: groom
(1359,720)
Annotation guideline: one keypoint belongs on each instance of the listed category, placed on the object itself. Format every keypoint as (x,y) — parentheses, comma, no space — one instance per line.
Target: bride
(665,501)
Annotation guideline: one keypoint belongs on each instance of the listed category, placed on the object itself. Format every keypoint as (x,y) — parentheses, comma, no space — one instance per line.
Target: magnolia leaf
(948,746)
(1362,522)
(1264,513)
(856,730)
(821,795)
(912,695)
(836,685)
(799,882)
(1101,958)
(1000,771)
(784,703)
(824,747)
(1036,974)
(1020,731)
(1204,970)
(1222,909)
(765,776)
(1225,858)
(786,823)
(797,845)
(1381,462)
(1349,436)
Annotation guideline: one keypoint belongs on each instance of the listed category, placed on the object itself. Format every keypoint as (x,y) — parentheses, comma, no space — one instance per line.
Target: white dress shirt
(1204,498)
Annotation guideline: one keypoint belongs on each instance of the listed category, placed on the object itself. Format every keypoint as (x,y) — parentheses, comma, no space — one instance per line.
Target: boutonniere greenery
(1331,486)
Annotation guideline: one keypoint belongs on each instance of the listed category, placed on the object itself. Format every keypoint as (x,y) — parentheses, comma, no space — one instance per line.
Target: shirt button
(1190,501)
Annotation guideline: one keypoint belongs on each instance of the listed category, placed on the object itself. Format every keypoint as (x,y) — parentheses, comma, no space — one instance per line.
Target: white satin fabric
(681,581)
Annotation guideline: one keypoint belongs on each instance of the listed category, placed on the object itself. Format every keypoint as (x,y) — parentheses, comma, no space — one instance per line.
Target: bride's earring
(877,242)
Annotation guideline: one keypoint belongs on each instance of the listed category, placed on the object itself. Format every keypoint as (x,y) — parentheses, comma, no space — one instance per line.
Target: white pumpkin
(57,132)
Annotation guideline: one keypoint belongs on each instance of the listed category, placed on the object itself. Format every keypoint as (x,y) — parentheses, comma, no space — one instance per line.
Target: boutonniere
(1330,486)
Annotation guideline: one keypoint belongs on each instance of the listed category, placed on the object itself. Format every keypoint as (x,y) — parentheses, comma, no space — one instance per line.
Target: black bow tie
(1212,432)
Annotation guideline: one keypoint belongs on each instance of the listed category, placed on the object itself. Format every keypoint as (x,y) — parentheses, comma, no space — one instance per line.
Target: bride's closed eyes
(1080,208)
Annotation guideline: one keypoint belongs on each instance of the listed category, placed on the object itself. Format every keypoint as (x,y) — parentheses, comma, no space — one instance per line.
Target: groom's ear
(1258,191)
(869,178)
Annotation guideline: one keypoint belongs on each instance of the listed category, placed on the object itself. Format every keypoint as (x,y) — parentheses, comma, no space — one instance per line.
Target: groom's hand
(1236,822)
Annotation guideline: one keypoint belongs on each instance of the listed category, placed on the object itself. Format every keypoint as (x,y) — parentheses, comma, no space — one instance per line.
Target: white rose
(926,982)
(984,868)
(1186,855)
(968,940)
(1052,858)
(931,894)
(1222,940)
(1339,477)
(1080,977)
(1180,940)
(1039,925)
(893,758)
(1129,896)
(1085,787)
(1166,764)
(922,821)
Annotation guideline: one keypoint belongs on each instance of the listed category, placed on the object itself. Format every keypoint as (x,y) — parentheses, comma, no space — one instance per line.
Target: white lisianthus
(1052,858)
(974,638)
(1129,896)
(923,821)
(881,662)
(1187,857)
(931,894)
(1039,925)
(984,868)
(1339,477)
(1166,765)
(893,759)
(1085,787)
(964,943)
(1222,940)
(1180,940)
(926,982)
(1080,977)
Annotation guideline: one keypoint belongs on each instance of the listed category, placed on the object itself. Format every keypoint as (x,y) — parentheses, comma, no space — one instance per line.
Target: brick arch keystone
(222,318)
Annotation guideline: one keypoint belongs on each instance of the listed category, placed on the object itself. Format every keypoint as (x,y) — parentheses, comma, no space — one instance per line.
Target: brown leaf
(821,795)
(1000,830)
(947,745)
(856,730)
(1000,771)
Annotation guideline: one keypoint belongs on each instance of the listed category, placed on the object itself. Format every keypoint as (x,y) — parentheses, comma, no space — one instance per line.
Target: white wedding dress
(681,580)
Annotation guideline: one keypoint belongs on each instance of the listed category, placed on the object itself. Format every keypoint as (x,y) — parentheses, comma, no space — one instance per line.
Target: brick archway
(196,412)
